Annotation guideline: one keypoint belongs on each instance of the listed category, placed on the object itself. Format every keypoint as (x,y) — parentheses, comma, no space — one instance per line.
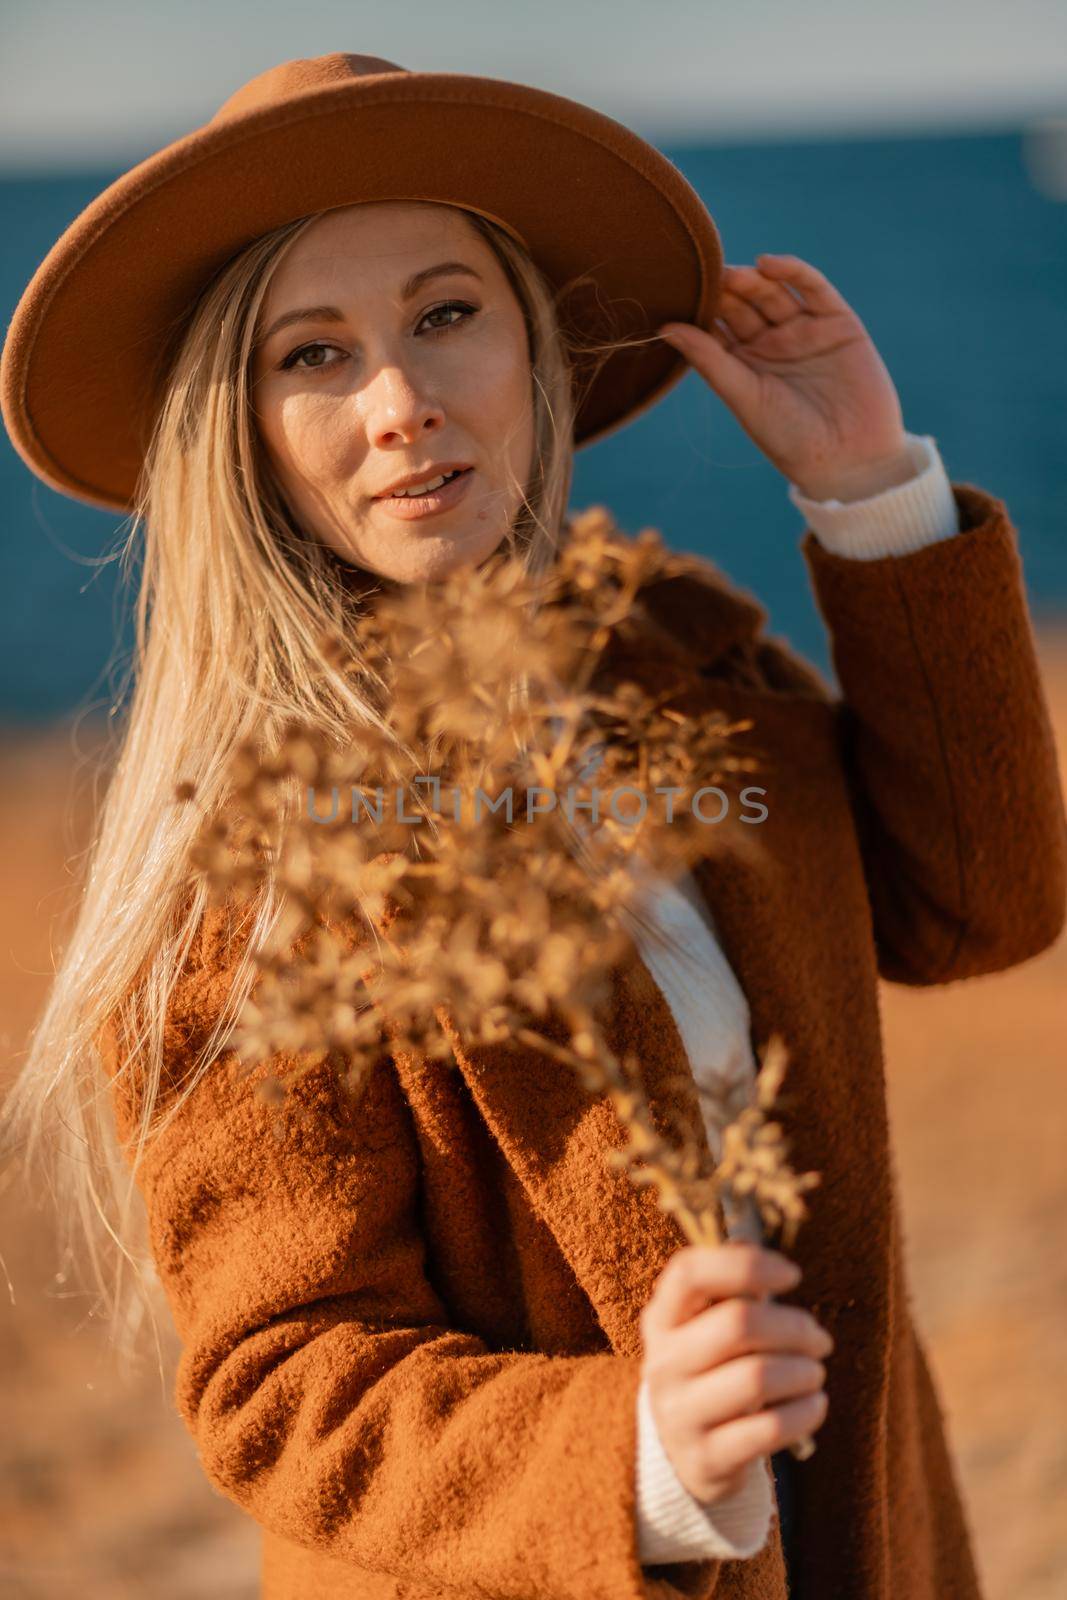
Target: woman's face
(379,379)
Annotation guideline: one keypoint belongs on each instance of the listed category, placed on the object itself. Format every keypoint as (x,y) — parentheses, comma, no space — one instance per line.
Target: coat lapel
(613,1233)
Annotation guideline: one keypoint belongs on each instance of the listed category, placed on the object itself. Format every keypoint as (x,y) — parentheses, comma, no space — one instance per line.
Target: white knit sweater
(713,1019)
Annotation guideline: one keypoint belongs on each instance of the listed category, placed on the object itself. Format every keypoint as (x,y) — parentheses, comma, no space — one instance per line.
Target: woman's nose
(398,403)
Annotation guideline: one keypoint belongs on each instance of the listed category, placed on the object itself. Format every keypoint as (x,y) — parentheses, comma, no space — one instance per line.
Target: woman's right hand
(736,1379)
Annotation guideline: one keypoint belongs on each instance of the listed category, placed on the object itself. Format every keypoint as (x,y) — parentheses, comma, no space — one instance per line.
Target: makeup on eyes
(469,312)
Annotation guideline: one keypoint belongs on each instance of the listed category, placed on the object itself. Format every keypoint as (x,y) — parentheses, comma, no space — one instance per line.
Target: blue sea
(954,258)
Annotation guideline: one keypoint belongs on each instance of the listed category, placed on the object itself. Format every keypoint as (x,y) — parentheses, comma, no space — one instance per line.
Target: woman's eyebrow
(333,314)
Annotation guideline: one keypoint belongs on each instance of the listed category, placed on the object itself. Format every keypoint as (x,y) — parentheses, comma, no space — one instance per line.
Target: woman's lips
(412,507)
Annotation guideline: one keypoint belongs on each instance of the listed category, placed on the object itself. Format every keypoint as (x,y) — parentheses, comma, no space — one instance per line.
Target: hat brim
(80,375)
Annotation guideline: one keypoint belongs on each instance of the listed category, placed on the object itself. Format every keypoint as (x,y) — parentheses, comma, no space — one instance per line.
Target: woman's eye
(450,305)
(292,360)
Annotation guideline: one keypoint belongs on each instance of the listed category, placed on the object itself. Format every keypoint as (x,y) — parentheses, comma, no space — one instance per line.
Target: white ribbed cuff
(672,1525)
(903,518)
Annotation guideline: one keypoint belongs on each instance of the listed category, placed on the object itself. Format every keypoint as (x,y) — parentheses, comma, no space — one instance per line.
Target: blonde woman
(437,1348)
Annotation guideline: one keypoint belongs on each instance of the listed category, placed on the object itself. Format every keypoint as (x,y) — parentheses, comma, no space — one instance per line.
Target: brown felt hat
(86,355)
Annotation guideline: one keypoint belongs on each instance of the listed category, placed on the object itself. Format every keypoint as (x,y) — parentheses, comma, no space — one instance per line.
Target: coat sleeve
(947,745)
(319,1375)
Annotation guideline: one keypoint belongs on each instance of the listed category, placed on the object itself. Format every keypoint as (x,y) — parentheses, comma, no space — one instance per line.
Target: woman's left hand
(801,374)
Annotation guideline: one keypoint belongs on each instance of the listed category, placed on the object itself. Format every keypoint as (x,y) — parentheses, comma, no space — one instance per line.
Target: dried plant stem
(671,1170)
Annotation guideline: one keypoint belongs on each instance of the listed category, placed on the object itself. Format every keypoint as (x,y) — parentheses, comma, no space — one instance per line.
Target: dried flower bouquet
(464,817)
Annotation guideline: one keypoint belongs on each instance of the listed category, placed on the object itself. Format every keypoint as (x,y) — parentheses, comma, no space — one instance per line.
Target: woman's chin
(436,556)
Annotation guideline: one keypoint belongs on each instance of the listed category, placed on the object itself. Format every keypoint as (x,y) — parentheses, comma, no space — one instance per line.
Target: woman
(434,1345)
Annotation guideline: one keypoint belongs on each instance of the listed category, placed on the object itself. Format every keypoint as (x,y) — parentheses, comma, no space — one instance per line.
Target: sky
(85,85)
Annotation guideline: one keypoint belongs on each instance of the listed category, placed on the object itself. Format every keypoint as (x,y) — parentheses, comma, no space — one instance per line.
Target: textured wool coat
(410,1337)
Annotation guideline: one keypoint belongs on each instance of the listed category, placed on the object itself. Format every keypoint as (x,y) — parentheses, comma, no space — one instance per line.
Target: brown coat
(411,1347)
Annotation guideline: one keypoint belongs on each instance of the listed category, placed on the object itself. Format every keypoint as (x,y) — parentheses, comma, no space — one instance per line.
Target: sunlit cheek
(318,437)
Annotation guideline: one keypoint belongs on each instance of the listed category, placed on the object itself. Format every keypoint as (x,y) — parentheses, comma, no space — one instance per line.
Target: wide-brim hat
(85,360)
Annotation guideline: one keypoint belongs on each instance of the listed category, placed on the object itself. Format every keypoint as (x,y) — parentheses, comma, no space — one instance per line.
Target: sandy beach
(101,1491)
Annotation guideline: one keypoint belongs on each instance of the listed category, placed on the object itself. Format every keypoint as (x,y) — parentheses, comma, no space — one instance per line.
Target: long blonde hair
(231,604)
